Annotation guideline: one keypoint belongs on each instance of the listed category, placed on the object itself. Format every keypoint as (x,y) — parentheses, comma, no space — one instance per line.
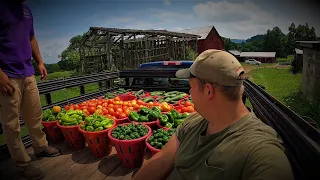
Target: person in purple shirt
(19,95)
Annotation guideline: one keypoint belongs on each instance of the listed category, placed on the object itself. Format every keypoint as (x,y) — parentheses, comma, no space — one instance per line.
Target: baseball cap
(215,66)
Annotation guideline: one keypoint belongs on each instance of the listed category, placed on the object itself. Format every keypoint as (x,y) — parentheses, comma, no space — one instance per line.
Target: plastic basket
(98,142)
(152,124)
(121,121)
(127,97)
(151,149)
(130,152)
(52,131)
(73,136)
(160,126)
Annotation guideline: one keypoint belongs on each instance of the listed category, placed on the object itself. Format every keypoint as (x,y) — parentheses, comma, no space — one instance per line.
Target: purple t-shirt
(16,29)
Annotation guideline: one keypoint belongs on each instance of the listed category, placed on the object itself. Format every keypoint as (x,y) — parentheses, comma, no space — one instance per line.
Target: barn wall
(213,41)
(201,46)
(311,75)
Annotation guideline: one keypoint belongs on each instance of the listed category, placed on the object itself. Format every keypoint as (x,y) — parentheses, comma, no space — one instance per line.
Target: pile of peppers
(96,122)
(172,119)
(70,118)
(145,114)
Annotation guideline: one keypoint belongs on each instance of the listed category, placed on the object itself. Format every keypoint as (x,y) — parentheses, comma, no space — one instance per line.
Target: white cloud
(166,2)
(52,47)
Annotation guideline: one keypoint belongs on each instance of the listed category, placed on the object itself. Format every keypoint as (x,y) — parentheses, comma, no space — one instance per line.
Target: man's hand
(43,71)
(6,87)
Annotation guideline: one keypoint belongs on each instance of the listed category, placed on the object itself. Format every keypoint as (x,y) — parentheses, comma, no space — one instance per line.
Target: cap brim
(184,74)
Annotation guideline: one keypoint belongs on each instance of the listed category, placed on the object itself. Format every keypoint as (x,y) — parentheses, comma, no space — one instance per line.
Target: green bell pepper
(134,116)
(89,121)
(175,114)
(156,109)
(144,111)
(177,122)
(153,115)
(168,125)
(170,117)
(143,119)
(184,115)
(83,127)
(163,119)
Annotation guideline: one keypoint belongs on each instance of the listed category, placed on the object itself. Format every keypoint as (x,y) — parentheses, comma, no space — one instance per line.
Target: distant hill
(238,41)
(258,37)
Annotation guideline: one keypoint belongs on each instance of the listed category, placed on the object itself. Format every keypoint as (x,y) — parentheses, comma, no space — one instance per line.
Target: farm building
(106,49)
(235,53)
(210,38)
(264,57)
(311,70)
(297,62)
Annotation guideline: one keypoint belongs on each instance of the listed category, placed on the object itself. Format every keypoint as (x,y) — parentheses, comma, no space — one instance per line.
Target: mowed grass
(289,58)
(285,87)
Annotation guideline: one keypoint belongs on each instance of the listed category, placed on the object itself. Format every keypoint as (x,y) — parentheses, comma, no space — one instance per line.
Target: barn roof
(298,51)
(201,31)
(258,54)
(235,52)
(308,44)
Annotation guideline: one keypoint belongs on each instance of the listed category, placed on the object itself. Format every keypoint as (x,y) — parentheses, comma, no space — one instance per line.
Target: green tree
(275,41)
(70,57)
(229,45)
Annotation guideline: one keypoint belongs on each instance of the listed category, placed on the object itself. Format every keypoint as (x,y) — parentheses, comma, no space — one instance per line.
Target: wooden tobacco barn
(106,49)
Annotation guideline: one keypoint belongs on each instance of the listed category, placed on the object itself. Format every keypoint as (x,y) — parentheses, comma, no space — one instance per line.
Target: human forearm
(157,168)
(36,51)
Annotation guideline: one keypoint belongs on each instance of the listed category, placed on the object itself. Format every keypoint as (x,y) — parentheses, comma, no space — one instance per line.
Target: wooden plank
(91,168)
(77,167)
(103,171)
(118,173)
(41,162)
(63,162)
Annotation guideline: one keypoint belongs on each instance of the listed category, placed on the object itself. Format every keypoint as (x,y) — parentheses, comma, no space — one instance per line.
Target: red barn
(210,38)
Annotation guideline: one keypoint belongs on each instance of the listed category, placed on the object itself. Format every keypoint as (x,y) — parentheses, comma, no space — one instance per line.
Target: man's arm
(37,57)
(161,164)
(267,161)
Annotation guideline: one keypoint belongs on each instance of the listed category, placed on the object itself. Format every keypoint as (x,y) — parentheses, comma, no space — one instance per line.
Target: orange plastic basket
(130,152)
(98,142)
(73,136)
(52,131)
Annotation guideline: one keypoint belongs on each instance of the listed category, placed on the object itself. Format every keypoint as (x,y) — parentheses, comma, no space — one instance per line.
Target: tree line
(275,40)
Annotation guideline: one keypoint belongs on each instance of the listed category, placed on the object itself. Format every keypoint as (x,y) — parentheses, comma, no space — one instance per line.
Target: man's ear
(210,91)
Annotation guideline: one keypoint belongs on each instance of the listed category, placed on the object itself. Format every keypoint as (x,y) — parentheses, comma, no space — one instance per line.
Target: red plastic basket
(127,97)
(160,126)
(130,152)
(52,131)
(121,121)
(98,142)
(152,124)
(73,136)
(152,149)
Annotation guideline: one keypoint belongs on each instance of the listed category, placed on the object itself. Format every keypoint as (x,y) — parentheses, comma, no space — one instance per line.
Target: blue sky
(56,21)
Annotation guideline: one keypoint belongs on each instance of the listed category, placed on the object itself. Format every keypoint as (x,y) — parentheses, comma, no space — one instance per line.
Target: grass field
(287,59)
(285,86)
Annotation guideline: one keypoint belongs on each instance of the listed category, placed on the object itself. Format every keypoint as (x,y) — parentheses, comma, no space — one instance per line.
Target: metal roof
(235,52)
(258,54)
(298,51)
(201,31)
(308,44)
